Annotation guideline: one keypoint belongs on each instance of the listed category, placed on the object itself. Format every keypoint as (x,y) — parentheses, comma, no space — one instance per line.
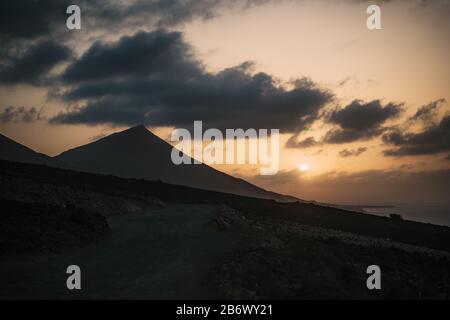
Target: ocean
(434,213)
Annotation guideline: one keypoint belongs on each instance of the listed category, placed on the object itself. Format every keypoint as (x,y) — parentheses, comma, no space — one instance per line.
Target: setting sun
(304,167)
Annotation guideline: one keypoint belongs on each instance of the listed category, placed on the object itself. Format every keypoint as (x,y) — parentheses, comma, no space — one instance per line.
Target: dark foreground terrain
(278,259)
(164,254)
(142,239)
(35,227)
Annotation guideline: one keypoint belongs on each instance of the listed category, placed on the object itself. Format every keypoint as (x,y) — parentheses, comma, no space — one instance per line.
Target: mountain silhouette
(138,153)
(13,151)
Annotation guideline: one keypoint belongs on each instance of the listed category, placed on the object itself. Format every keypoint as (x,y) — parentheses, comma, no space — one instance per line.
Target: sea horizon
(437,213)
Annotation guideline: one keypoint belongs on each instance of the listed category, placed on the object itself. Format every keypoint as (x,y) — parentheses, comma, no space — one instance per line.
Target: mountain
(138,153)
(13,151)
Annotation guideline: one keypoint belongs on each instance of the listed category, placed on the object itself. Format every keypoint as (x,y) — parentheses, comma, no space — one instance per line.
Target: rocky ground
(45,217)
(43,228)
(282,260)
(27,190)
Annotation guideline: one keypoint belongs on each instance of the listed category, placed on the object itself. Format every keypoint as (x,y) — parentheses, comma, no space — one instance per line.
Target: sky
(364,113)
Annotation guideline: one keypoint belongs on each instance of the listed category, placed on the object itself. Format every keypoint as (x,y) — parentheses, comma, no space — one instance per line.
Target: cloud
(305,143)
(352,152)
(348,80)
(30,19)
(396,185)
(24,23)
(27,19)
(361,116)
(432,140)
(19,114)
(340,136)
(156,54)
(167,13)
(24,19)
(360,121)
(357,121)
(153,78)
(33,66)
(428,113)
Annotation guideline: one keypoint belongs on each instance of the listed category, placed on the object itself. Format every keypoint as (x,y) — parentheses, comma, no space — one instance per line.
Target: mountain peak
(139,153)
(13,151)
(139,127)
(135,132)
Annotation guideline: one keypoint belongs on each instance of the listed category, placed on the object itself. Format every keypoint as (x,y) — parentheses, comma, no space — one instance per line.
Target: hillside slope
(138,153)
(14,151)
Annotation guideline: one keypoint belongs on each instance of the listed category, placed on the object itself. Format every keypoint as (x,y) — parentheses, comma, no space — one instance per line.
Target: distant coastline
(434,213)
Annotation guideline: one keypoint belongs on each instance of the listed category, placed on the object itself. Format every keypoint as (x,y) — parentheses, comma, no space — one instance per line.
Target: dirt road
(165,254)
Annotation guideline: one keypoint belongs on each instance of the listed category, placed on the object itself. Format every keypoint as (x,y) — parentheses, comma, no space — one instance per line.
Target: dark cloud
(166,13)
(25,22)
(361,116)
(33,66)
(352,152)
(339,136)
(305,143)
(154,79)
(25,19)
(31,19)
(360,121)
(19,114)
(157,54)
(428,113)
(433,140)
(357,121)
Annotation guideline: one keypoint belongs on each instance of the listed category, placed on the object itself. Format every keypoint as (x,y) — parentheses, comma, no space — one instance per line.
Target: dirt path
(165,254)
